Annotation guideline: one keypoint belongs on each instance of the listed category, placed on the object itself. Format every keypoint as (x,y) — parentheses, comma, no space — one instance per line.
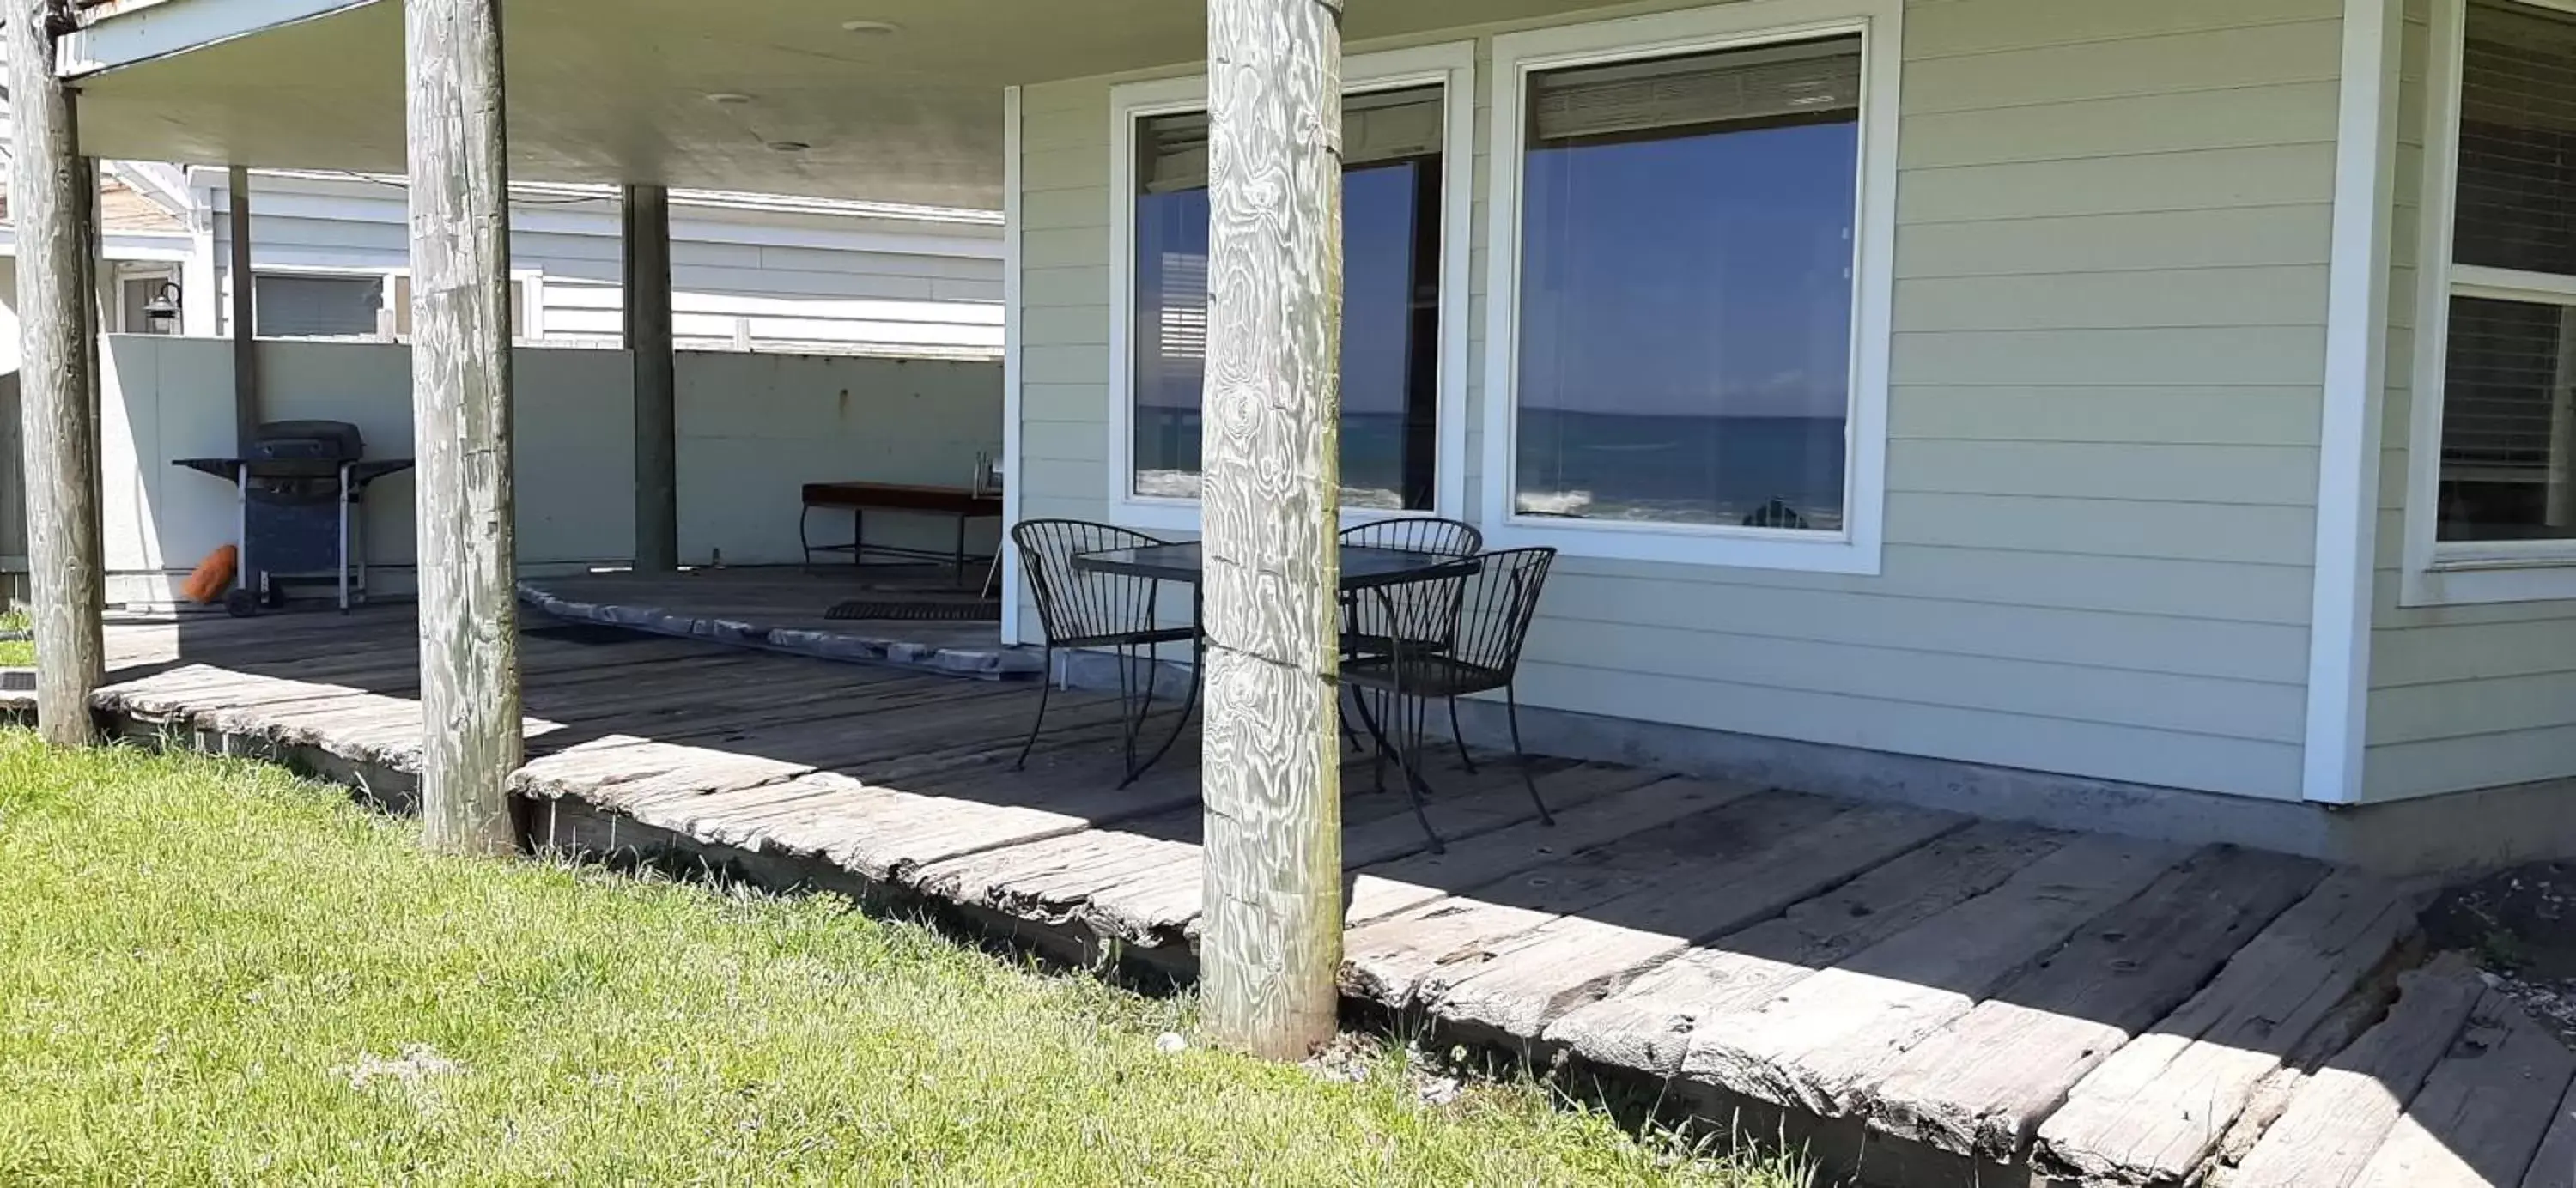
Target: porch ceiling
(606,91)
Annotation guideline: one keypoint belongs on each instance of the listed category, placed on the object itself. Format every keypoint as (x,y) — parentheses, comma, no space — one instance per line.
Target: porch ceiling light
(728,98)
(788,146)
(871,28)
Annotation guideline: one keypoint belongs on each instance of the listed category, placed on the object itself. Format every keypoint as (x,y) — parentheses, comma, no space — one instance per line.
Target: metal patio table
(1364,570)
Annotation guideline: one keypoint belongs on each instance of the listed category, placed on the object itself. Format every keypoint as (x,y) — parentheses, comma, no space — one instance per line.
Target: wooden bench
(960,503)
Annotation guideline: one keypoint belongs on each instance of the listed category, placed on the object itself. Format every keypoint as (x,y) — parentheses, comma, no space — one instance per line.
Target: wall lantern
(161,313)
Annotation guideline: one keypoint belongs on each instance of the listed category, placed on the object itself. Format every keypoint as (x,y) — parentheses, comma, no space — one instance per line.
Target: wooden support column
(1272,941)
(460,392)
(646,214)
(245,312)
(56,358)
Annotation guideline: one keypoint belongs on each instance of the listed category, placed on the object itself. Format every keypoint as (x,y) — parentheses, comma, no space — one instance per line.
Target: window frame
(1450,66)
(1857,547)
(527,285)
(2438,572)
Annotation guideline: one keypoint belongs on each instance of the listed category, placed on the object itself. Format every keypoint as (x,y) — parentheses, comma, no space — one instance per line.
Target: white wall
(753,428)
(2108,367)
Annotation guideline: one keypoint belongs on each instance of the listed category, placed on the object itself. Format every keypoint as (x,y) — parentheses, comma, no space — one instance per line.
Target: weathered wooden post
(56,357)
(460,392)
(645,212)
(1272,942)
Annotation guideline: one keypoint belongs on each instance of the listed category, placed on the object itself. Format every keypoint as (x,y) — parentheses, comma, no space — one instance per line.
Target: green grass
(15,653)
(211,972)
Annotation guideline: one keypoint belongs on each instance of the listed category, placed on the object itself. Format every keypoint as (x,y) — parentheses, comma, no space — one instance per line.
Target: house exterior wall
(753,428)
(2107,365)
(2462,695)
(809,282)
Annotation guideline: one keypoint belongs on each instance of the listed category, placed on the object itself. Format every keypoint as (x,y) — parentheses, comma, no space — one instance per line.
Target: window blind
(1381,126)
(288,306)
(2516,205)
(1807,79)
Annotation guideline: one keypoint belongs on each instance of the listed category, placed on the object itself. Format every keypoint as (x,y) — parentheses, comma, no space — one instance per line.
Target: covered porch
(1922,997)
(2065,502)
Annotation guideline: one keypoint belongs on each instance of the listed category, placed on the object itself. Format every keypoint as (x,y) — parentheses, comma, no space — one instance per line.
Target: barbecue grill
(299,489)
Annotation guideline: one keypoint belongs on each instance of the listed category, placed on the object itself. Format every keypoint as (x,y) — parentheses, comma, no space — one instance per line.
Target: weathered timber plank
(1157,905)
(2484,1109)
(1981,1085)
(1391,960)
(1523,983)
(2554,1165)
(2337,1118)
(1812,1042)
(1384,889)
(1647,1024)
(2154,1111)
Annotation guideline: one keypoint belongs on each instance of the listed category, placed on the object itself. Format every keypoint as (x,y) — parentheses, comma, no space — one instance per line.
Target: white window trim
(2438,573)
(1450,66)
(1857,548)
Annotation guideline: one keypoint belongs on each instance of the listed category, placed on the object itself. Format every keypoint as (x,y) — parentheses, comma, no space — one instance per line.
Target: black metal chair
(1365,631)
(1479,632)
(1079,609)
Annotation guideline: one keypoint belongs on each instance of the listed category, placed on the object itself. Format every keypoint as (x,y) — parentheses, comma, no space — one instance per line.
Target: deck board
(2154,1112)
(1981,1085)
(2337,1119)
(2140,1008)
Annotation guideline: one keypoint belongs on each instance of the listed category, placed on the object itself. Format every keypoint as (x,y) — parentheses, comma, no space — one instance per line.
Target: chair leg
(1350,737)
(1377,733)
(1408,758)
(1512,708)
(1045,686)
(1181,724)
(1459,736)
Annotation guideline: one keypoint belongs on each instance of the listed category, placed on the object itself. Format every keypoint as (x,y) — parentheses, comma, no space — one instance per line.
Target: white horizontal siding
(2103,421)
(871,297)
(2461,696)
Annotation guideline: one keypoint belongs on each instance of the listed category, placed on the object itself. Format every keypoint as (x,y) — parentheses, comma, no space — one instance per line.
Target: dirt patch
(2521,925)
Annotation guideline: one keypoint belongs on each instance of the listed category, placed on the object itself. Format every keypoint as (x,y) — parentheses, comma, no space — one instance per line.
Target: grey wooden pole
(460,392)
(646,212)
(245,312)
(56,355)
(1272,940)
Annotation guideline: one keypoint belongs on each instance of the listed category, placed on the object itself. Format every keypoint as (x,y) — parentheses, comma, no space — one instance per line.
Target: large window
(1395,191)
(1692,269)
(2500,395)
(316,305)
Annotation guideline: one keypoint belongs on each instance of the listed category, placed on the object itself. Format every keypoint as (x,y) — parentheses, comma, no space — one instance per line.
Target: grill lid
(333,441)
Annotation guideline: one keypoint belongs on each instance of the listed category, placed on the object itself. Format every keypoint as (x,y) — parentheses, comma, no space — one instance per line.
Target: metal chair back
(1481,619)
(1076,606)
(1368,622)
(1417,534)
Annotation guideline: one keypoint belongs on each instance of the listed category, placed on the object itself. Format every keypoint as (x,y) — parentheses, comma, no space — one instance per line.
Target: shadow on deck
(1924,997)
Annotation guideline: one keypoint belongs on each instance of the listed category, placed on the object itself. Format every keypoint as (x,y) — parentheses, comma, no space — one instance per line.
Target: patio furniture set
(1428,615)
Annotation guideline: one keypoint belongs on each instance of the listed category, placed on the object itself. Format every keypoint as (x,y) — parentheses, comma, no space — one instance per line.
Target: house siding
(2461,696)
(2107,368)
(784,296)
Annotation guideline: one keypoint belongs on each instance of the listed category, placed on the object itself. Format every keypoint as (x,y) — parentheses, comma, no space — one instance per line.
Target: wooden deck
(1928,998)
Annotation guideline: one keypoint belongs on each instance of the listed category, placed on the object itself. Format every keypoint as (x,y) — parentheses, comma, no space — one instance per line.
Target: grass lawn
(15,653)
(213,972)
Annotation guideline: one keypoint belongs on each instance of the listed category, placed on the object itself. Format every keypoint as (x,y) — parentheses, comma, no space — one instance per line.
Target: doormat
(918,610)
